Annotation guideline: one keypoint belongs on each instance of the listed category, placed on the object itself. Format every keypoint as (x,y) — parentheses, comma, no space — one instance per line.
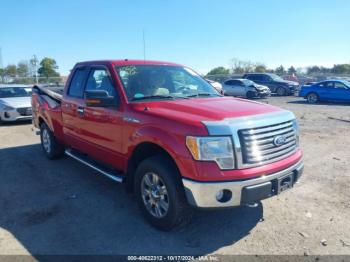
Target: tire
(250,95)
(312,98)
(281,91)
(173,209)
(51,147)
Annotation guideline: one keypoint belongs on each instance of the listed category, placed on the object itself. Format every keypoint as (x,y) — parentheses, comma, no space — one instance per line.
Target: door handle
(80,110)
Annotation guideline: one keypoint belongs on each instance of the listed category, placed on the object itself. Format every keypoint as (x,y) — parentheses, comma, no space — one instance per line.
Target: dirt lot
(62,207)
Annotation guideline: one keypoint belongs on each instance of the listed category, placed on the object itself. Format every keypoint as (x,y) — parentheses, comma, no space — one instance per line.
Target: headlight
(296,128)
(218,149)
(8,108)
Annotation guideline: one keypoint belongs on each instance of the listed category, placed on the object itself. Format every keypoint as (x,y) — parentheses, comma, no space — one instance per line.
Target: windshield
(276,77)
(6,92)
(158,82)
(248,82)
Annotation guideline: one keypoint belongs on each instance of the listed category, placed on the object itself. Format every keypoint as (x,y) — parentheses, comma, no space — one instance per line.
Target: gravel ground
(62,207)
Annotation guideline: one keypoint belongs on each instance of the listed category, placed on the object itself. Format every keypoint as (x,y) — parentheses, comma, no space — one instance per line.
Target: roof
(127,62)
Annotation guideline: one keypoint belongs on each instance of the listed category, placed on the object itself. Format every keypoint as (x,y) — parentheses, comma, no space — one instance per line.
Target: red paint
(103,134)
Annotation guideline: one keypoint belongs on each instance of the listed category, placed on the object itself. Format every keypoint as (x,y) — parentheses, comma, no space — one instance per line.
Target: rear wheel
(281,91)
(51,147)
(312,98)
(160,194)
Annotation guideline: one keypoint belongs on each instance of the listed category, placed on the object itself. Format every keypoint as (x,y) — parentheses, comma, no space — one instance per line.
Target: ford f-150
(168,135)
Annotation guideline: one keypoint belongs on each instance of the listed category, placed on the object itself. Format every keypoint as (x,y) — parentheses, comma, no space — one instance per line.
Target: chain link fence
(34,80)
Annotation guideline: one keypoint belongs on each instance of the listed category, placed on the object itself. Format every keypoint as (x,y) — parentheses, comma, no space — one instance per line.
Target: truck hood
(16,102)
(197,110)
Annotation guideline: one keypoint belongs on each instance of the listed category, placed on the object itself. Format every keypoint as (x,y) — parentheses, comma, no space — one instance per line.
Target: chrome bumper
(203,194)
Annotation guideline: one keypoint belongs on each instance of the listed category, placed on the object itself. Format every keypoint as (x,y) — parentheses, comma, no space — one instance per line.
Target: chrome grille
(24,111)
(258,144)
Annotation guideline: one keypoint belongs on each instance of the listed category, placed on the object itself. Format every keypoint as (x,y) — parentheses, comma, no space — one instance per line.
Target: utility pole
(144,44)
(34,62)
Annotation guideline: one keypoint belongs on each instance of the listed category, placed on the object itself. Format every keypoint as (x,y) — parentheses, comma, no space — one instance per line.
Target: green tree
(48,68)
(219,71)
(260,68)
(2,75)
(341,69)
(11,70)
(292,70)
(23,69)
(280,70)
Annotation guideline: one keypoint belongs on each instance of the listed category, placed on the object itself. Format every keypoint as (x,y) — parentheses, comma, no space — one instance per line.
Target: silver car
(244,88)
(15,103)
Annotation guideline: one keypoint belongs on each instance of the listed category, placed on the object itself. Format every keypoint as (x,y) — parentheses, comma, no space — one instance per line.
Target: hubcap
(154,195)
(280,91)
(312,98)
(46,141)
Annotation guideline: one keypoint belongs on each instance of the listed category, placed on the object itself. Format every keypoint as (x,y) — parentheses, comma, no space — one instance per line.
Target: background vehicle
(330,90)
(216,85)
(168,135)
(274,82)
(15,103)
(245,88)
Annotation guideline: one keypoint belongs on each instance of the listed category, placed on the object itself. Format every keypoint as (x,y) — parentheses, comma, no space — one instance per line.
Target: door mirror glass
(99,98)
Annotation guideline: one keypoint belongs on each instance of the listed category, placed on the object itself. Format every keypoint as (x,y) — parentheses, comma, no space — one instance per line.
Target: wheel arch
(141,152)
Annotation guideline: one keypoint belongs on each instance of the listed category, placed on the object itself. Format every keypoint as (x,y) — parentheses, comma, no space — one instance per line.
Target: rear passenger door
(71,105)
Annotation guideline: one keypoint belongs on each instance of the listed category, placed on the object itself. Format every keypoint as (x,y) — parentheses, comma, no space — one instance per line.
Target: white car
(245,88)
(15,103)
(216,85)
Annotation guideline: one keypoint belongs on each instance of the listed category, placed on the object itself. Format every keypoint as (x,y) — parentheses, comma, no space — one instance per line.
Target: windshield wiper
(153,97)
(201,94)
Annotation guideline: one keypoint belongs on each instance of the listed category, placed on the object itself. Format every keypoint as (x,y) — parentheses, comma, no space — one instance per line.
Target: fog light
(224,195)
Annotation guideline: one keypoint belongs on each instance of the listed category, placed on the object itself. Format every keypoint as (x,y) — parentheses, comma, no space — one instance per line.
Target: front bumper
(13,115)
(204,194)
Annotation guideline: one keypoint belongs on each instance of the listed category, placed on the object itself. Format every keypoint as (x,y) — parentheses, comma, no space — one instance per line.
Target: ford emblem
(279,140)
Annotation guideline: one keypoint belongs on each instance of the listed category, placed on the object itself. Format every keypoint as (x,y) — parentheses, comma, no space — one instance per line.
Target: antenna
(144,44)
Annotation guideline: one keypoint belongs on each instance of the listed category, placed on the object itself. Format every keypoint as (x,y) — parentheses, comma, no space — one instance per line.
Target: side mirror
(100,98)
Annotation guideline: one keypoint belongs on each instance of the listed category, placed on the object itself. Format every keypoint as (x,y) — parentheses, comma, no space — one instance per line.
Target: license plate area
(285,183)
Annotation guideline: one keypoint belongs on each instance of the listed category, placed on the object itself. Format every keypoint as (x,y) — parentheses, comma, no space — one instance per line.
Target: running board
(95,166)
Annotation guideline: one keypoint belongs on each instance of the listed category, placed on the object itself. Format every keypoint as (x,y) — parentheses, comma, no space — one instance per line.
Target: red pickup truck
(168,135)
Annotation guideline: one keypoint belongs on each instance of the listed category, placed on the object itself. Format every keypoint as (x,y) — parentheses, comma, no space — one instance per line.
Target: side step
(112,174)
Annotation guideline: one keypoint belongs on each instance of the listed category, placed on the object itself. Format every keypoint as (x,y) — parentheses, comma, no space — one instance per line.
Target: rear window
(76,87)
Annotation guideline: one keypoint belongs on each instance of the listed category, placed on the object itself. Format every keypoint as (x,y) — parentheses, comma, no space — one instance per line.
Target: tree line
(25,70)
(241,67)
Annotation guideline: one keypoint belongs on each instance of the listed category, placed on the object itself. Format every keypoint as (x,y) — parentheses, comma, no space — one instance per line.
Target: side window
(76,87)
(230,82)
(99,79)
(339,85)
(265,78)
(329,84)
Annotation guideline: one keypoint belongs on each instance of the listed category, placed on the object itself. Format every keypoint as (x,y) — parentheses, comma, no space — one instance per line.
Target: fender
(174,145)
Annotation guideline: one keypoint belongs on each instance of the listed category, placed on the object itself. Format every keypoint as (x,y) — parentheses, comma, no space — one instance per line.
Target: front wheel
(312,98)
(281,91)
(51,147)
(160,194)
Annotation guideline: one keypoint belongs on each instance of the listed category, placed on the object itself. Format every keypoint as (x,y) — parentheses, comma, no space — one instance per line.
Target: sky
(201,34)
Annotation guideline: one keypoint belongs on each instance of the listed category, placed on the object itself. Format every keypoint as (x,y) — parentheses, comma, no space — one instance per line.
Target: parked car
(245,88)
(276,84)
(330,90)
(216,85)
(168,135)
(15,103)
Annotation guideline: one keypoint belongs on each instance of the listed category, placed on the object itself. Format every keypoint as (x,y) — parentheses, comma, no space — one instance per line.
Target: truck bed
(54,92)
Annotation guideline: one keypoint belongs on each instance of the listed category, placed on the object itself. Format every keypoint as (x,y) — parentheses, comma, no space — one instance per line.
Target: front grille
(25,111)
(259,145)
